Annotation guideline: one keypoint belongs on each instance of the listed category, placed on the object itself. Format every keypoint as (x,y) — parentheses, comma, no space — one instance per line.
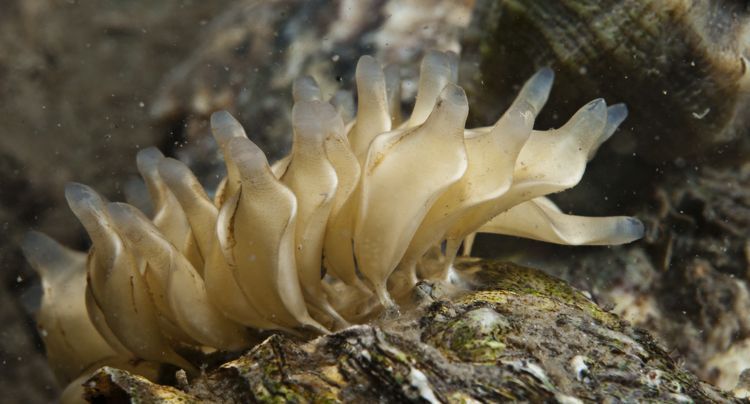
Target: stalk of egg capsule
(312,178)
(185,289)
(540,219)
(549,162)
(492,155)
(117,285)
(71,340)
(263,225)
(404,174)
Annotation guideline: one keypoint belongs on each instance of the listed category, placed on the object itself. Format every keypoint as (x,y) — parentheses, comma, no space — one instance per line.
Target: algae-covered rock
(680,66)
(509,333)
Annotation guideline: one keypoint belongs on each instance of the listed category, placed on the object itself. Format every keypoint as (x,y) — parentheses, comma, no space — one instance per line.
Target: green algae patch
(263,372)
(478,336)
(496,282)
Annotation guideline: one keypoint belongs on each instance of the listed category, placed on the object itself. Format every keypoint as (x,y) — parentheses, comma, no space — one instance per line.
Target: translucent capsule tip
(632,229)
(173,171)
(76,194)
(222,119)
(537,88)
(305,89)
(247,155)
(454,95)
(616,114)
(225,127)
(42,252)
(125,216)
(436,58)
(315,119)
(545,76)
(368,69)
(148,159)
(596,105)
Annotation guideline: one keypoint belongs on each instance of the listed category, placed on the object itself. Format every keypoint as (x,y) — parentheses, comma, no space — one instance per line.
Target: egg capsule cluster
(340,229)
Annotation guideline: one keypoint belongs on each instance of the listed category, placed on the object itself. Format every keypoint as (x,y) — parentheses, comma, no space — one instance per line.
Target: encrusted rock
(515,335)
(686,282)
(680,66)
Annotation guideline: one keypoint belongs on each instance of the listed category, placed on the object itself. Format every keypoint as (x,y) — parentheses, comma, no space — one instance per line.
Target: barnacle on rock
(336,232)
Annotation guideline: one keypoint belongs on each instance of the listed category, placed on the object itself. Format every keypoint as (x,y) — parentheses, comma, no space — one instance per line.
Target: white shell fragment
(341,229)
